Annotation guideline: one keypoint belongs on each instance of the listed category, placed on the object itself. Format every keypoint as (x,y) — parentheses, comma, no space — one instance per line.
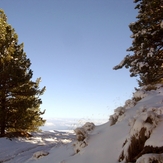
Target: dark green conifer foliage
(147,46)
(19,95)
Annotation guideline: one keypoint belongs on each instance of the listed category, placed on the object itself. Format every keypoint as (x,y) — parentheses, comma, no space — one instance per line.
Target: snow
(19,150)
(109,142)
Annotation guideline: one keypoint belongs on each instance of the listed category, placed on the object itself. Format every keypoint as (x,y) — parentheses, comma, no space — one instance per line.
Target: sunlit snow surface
(21,150)
(105,142)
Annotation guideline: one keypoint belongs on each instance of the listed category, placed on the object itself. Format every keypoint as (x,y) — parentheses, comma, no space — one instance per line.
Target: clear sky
(73,46)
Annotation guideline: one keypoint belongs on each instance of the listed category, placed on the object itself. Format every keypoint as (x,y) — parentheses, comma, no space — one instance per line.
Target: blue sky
(73,46)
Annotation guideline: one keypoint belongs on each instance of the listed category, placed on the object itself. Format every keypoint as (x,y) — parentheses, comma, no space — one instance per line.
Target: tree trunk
(3,119)
(2,129)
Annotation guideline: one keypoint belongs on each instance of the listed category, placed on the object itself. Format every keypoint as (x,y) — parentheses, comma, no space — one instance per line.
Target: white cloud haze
(68,123)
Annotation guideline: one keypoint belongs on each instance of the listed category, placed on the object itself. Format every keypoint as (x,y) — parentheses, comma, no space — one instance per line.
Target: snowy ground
(107,143)
(21,150)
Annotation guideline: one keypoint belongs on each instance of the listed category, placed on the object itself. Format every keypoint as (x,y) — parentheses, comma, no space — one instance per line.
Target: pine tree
(19,95)
(147,46)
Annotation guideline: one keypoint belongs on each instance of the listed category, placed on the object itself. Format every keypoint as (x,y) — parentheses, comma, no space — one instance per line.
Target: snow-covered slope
(134,133)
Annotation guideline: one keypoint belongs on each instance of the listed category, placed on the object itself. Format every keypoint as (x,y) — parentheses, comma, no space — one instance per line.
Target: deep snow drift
(134,133)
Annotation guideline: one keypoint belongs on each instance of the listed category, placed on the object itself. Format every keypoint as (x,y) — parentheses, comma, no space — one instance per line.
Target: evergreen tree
(19,95)
(147,46)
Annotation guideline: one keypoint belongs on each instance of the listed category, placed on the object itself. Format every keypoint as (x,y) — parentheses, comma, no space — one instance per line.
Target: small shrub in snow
(88,126)
(113,119)
(129,104)
(138,95)
(117,116)
(150,149)
(158,111)
(136,99)
(132,147)
(150,87)
(141,127)
(147,120)
(119,112)
(82,136)
(150,158)
(40,154)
